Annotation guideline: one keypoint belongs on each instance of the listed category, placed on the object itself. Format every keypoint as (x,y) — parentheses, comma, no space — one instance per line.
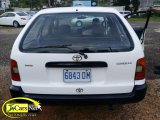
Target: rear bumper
(23,22)
(136,95)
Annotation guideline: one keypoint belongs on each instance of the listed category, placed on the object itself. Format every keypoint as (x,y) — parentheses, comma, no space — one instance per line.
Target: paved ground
(148,109)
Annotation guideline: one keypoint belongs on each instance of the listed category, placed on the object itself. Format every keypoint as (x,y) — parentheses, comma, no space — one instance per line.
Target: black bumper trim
(136,95)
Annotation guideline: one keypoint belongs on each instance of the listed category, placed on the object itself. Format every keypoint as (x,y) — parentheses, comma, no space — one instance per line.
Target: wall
(4,4)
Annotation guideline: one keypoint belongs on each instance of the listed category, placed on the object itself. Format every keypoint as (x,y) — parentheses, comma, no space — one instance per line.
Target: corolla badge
(77,58)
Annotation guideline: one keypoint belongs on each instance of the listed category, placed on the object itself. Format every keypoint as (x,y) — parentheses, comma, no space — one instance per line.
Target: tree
(52,2)
(13,3)
(125,3)
(28,3)
(156,2)
(135,4)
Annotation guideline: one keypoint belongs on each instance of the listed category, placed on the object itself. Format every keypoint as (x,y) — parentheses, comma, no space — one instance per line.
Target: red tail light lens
(14,71)
(140,69)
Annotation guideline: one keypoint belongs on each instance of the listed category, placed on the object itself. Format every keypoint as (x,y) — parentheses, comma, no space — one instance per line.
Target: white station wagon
(55,60)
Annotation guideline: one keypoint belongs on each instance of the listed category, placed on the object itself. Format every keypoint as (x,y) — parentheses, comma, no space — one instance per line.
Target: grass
(137,19)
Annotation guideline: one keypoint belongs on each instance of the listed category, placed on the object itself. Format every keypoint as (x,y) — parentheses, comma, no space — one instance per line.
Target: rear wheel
(79,23)
(15,24)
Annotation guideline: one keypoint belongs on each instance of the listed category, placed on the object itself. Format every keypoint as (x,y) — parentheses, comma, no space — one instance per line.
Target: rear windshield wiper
(104,49)
(60,46)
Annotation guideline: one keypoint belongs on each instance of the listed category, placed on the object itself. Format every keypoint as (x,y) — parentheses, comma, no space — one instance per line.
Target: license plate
(77,75)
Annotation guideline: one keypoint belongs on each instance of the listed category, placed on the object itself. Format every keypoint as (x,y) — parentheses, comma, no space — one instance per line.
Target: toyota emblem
(77,58)
(79,90)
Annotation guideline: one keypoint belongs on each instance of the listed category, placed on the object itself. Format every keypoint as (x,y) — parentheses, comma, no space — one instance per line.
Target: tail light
(14,71)
(140,69)
(23,18)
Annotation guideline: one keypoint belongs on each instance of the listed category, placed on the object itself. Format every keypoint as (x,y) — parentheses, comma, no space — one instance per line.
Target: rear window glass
(91,32)
(22,14)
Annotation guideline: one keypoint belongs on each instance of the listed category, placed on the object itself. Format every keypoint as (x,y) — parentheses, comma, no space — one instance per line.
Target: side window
(4,15)
(11,14)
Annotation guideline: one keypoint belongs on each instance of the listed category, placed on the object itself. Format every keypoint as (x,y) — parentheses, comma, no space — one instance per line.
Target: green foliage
(121,2)
(104,3)
(29,3)
(135,4)
(157,2)
(125,3)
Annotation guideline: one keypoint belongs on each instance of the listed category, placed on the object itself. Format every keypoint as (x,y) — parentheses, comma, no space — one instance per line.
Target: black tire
(15,24)
(79,23)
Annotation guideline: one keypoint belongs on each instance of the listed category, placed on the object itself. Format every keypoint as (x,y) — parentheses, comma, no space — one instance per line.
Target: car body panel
(2,19)
(106,78)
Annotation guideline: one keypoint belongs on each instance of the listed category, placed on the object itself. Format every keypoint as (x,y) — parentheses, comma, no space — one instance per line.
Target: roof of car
(78,9)
(10,12)
(14,12)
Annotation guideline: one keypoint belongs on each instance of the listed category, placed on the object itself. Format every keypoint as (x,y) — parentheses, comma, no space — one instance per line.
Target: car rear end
(53,59)
(22,18)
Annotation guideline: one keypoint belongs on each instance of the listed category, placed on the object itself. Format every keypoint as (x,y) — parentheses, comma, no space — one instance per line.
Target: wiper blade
(110,49)
(82,53)
(60,46)
(52,46)
(78,51)
(105,49)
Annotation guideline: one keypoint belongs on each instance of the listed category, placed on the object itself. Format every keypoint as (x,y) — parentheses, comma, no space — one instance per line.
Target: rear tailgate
(117,77)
